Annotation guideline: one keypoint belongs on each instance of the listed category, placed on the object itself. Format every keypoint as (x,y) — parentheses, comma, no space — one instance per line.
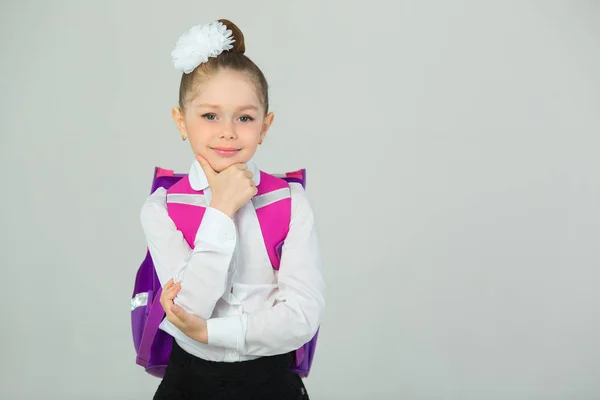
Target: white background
(452,156)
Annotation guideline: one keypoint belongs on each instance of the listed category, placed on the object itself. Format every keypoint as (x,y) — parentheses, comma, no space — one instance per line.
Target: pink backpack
(186,207)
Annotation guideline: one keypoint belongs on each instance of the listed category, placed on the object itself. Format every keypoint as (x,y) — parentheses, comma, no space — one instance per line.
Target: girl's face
(225,121)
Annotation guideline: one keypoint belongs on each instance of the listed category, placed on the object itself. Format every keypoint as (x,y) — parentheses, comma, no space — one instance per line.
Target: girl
(234,319)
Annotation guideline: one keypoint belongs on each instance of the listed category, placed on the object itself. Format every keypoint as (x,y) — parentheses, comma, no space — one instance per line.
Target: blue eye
(209,116)
(246,119)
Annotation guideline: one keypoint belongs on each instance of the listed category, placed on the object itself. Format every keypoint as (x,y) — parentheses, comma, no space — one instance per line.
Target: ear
(177,115)
(266,125)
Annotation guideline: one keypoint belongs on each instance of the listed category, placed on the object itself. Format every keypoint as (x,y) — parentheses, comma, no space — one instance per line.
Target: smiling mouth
(225,151)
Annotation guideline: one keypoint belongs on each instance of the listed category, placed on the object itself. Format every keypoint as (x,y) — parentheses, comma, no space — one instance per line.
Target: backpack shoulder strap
(186,207)
(273,205)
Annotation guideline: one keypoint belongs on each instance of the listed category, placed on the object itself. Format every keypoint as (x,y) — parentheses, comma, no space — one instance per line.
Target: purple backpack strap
(153,346)
(155,317)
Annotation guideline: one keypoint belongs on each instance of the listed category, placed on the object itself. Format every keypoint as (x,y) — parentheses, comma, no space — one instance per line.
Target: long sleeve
(203,270)
(300,301)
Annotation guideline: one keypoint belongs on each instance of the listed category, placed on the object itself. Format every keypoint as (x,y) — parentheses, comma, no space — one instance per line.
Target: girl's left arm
(296,315)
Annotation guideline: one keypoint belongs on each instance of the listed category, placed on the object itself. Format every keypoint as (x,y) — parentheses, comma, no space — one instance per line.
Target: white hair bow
(199,43)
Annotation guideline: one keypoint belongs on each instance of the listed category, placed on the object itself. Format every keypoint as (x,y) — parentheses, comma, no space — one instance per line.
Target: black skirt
(190,377)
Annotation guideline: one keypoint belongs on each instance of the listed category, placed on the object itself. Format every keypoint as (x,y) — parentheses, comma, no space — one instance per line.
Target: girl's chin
(221,165)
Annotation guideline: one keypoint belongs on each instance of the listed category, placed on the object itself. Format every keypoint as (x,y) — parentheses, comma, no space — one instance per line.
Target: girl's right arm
(201,271)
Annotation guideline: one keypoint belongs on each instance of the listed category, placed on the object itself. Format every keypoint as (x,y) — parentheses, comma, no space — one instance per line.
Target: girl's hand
(191,325)
(231,188)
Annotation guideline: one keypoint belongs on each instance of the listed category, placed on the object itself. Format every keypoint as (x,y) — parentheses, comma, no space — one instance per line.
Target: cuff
(228,332)
(216,228)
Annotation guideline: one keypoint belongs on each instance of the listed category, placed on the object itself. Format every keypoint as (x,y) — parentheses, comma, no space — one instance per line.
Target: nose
(228,131)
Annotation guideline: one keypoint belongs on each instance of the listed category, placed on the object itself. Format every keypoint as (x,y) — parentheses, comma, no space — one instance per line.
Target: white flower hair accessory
(199,43)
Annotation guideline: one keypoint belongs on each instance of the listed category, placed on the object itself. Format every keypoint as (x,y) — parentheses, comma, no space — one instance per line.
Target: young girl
(234,319)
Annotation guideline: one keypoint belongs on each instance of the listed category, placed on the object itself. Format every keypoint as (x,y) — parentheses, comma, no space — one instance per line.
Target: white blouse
(251,309)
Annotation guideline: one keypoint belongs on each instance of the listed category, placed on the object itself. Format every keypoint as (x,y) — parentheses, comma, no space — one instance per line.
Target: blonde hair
(234,60)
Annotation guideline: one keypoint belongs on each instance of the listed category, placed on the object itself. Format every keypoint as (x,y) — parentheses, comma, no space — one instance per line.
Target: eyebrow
(244,107)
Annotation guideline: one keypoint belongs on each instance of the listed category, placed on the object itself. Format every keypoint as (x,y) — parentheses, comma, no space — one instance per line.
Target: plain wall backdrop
(452,150)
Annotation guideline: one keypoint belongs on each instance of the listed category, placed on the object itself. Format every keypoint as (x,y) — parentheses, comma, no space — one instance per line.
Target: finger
(208,169)
(241,166)
(248,174)
(178,312)
(172,318)
(175,290)
(165,290)
(168,294)
(177,317)
(164,298)
(166,304)
(172,291)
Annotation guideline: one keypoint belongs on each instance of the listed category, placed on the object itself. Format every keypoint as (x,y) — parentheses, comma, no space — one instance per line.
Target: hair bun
(239,46)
